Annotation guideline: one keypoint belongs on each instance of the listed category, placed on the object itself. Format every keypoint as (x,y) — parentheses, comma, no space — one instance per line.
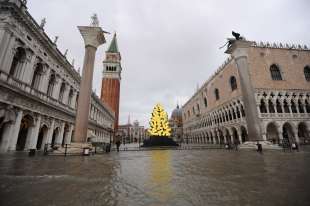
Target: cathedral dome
(177,113)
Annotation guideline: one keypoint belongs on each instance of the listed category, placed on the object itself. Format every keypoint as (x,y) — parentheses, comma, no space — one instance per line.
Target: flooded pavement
(164,177)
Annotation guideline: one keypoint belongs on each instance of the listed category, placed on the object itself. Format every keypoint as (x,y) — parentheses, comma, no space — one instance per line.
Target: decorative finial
(94,21)
(72,63)
(66,52)
(56,39)
(24,2)
(43,22)
(79,70)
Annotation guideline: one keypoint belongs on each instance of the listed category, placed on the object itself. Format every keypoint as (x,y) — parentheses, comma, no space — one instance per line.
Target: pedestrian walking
(118,144)
(259,147)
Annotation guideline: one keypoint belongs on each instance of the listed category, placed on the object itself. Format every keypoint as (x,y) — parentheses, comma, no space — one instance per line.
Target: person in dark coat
(118,144)
(259,147)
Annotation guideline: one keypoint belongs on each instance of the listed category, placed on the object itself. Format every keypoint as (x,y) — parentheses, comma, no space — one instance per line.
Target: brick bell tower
(110,88)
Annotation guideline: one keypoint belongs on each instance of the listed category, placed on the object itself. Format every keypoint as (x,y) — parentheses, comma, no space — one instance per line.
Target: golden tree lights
(159,125)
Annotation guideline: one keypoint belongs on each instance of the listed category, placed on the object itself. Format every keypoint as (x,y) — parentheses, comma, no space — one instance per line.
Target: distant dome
(176,113)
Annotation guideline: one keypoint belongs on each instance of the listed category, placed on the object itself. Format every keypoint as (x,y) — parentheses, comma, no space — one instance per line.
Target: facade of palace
(176,124)
(39,88)
(131,133)
(277,76)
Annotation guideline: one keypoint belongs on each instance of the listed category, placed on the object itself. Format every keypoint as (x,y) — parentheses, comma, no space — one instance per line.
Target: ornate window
(300,106)
(216,94)
(205,101)
(262,106)
(62,91)
(51,85)
(275,72)
(271,106)
(286,107)
(37,74)
(307,106)
(293,106)
(307,73)
(198,108)
(70,97)
(17,62)
(233,83)
(278,106)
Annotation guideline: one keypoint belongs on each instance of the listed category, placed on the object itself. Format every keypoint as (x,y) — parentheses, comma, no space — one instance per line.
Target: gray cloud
(168,46)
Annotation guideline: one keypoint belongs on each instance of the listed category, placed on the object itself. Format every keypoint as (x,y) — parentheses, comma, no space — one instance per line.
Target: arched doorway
(66,130)
(244,134)
(235,135)
(288,134)
(55,135)
(227,136)
(42,134)
(25,128)
(272,133)
(221,137)
(303,133)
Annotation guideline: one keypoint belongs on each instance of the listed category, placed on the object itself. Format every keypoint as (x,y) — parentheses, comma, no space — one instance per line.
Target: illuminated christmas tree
(159,125)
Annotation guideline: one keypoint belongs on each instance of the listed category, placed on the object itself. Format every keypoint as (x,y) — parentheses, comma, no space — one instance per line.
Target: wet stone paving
(161,177)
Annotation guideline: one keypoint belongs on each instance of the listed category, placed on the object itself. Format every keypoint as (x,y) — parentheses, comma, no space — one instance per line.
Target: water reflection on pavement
(165,177)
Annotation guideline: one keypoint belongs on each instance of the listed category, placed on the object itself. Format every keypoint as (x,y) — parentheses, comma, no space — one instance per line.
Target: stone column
(69,135)
(15,130)
(6,135)
(50,133)
(60,134)
(6,53)
(57,86)
(93,37)
(45,79)
(73,100)
(239,51)
(33,138)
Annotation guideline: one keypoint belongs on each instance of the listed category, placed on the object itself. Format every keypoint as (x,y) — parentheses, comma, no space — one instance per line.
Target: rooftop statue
(94,21)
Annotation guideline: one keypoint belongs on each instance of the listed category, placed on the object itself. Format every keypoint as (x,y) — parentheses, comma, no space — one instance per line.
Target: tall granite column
(93,37)
(239,51)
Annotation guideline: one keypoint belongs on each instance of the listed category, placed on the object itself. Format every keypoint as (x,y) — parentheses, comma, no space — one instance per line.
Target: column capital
(93,36)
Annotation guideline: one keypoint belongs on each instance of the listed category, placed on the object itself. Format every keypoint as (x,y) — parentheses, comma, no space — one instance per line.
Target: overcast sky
(169,46)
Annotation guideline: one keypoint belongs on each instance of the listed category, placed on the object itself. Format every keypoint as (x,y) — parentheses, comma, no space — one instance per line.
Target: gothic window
(270,106)
(233,83)
(307,73)
(17,62)
(77,100)
(275,72)
(51,85)
(262,106)
(37,74)
(216,94)
(193,110)
(70,97)
(188,113)
(230,116)
(198,108)
(278,106)
(307,106)
(293,107)
(286,107)
(242,111)
(205,101)
(238,112)
(62,91)
(234,114)
(300,107)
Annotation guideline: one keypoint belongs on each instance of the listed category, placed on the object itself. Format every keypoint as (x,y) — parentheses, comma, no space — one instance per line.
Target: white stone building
(263,87)
(39,88)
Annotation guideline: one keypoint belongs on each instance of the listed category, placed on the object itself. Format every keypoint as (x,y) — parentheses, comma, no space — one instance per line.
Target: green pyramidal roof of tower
(113,48)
